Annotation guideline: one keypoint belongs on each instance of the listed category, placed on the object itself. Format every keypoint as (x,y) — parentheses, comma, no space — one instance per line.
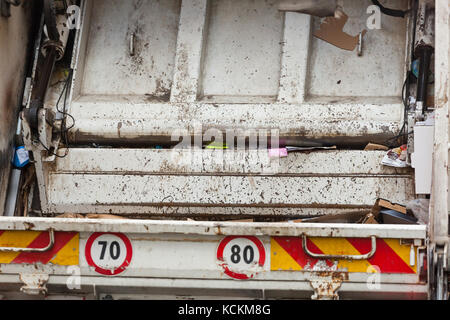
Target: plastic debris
(21,157)
(278,153)
(217,145)
(394,217)
(396,157)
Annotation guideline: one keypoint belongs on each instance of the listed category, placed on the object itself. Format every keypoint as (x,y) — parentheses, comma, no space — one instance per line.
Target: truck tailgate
(253,260)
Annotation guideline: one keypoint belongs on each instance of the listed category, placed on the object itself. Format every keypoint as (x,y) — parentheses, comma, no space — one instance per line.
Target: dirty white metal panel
(190,40)
(111,69)
(294,58)
(72,192)
(379,72)
(126,120)
(138,181)
(244,65)
(243,50)
(148,161)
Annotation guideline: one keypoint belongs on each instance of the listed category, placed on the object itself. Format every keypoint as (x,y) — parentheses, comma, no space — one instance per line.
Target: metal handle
(341,256)
(360,44)
(47,248)
(131,48)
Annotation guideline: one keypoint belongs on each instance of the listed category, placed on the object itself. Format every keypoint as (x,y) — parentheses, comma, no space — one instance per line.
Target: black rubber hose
(390,12)
(424,54)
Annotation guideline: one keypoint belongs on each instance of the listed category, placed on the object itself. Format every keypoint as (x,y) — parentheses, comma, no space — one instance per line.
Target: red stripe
(293,246)
(1,232)
(61,239)
(385,258)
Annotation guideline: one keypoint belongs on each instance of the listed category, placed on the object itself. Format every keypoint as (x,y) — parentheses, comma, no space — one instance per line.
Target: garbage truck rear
(224,149)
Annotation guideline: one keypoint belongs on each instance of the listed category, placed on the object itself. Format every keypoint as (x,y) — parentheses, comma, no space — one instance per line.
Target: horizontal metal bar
(131,161)
(130,284)
(50,245)
(340,256)
(215,228)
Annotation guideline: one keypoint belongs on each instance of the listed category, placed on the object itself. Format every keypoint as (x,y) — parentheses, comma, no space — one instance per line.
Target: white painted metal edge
(439,189)
(215,228)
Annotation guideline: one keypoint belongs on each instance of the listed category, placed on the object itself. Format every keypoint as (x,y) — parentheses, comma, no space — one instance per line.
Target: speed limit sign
(241,257)
(109,253)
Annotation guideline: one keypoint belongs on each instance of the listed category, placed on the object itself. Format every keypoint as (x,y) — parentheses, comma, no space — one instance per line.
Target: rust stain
(29,225)
(219,231)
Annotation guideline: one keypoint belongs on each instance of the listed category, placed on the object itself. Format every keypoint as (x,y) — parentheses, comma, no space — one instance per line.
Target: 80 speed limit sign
(109,253)
(241,257)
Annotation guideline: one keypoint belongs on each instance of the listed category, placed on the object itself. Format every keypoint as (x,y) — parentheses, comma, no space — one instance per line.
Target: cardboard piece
(331,31)
(386,212)
(374,146)
(369,219)
(102,216)
(382,203)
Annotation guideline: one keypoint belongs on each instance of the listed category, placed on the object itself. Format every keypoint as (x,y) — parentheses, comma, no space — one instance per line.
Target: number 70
(114,249)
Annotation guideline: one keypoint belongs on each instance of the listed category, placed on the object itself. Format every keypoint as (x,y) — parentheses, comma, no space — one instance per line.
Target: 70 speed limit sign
(109,253)
(241,257)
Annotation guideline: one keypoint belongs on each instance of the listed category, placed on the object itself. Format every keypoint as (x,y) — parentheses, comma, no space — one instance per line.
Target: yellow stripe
(68,255)
(403,251)
(15,239)
(280,259)
(340,246)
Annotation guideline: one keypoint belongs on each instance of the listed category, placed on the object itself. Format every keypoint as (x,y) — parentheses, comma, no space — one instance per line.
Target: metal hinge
(35,283)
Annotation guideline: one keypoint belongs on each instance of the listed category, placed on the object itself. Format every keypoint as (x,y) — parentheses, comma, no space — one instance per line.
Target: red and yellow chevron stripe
(65,251)
(390,257)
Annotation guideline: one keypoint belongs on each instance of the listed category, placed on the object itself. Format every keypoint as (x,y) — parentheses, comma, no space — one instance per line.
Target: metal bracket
(35,283)
(325,288)
(5,7)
